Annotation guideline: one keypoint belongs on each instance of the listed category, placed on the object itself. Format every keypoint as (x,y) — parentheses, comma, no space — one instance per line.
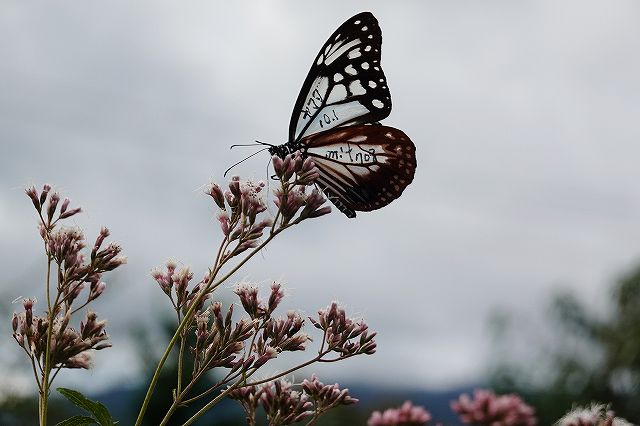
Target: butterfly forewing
(362,167)
(346,84)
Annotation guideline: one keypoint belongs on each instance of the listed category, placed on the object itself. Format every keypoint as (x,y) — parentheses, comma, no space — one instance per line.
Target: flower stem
(180,364)
(187,319)
(44,386)
(213,402)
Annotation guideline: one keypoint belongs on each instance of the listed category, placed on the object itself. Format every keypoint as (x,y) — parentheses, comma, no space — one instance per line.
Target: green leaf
(78,421)
(98,410)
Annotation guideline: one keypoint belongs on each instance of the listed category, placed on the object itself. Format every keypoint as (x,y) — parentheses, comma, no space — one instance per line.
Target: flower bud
(297,162)
(53,204)
(82,360)
(43,195)
(70,213)
(278,165)
(269,353)
(65,205)
(96,290)
(28,310)
(287,169)
(223,218)
(234,186)
(275,298)
(33,194)
(216,193)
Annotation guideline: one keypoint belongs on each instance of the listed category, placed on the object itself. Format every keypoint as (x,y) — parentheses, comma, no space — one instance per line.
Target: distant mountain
(124,401)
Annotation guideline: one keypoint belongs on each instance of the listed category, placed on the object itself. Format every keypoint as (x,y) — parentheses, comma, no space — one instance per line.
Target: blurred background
(511,261)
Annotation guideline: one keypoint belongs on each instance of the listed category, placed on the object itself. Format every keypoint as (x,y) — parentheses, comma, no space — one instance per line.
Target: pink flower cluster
(49,340)
(405,415)
(325,397)
(175,284)
(241,204)
(252,304)
(283,404)
(487,408)
(295,175)
(239,207)
(343,334)
(69,348)
(219,342)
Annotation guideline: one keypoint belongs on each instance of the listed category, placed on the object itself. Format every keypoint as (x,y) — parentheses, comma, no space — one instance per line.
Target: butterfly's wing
(346,84)
(362,167)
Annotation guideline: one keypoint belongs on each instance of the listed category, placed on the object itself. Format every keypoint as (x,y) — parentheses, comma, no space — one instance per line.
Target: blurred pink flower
(487,408)
(406,415)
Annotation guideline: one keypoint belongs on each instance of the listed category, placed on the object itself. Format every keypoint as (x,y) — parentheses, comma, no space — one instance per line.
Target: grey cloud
(524,117)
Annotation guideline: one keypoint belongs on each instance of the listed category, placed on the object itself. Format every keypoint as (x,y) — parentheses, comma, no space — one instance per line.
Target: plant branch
(188,316)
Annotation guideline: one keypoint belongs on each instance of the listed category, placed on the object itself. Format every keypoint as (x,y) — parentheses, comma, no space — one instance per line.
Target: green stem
(44,387)
(187,319)
(204,393)
(289,371)
(35,372)
(180,364)
(230,376)
(313,419)
(243,382)
(213,402)
(180,395)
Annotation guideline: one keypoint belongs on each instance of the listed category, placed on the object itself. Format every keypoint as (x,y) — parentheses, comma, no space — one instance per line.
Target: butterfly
(362,164)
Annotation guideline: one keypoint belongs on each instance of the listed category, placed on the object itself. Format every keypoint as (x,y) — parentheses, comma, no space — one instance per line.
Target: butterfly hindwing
(362,167)
(346,84)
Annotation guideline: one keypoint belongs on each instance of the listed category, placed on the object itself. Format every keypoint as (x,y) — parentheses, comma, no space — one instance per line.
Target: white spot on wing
(338,93)
(365,65)
(349,69)
(377,103)
(337,50)
(372,84)
(338,77)
(356,88)
(355,53)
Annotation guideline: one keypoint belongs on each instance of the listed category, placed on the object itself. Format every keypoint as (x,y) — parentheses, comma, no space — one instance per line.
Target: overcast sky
(525,116)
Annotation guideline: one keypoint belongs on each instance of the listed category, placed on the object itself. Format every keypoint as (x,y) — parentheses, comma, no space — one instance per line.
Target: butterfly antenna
(244,159)
(257,143)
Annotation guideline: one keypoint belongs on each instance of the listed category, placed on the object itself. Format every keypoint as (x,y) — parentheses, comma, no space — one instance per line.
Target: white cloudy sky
(525,116)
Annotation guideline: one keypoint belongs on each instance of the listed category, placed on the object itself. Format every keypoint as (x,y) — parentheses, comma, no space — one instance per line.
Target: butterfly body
(363,165)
